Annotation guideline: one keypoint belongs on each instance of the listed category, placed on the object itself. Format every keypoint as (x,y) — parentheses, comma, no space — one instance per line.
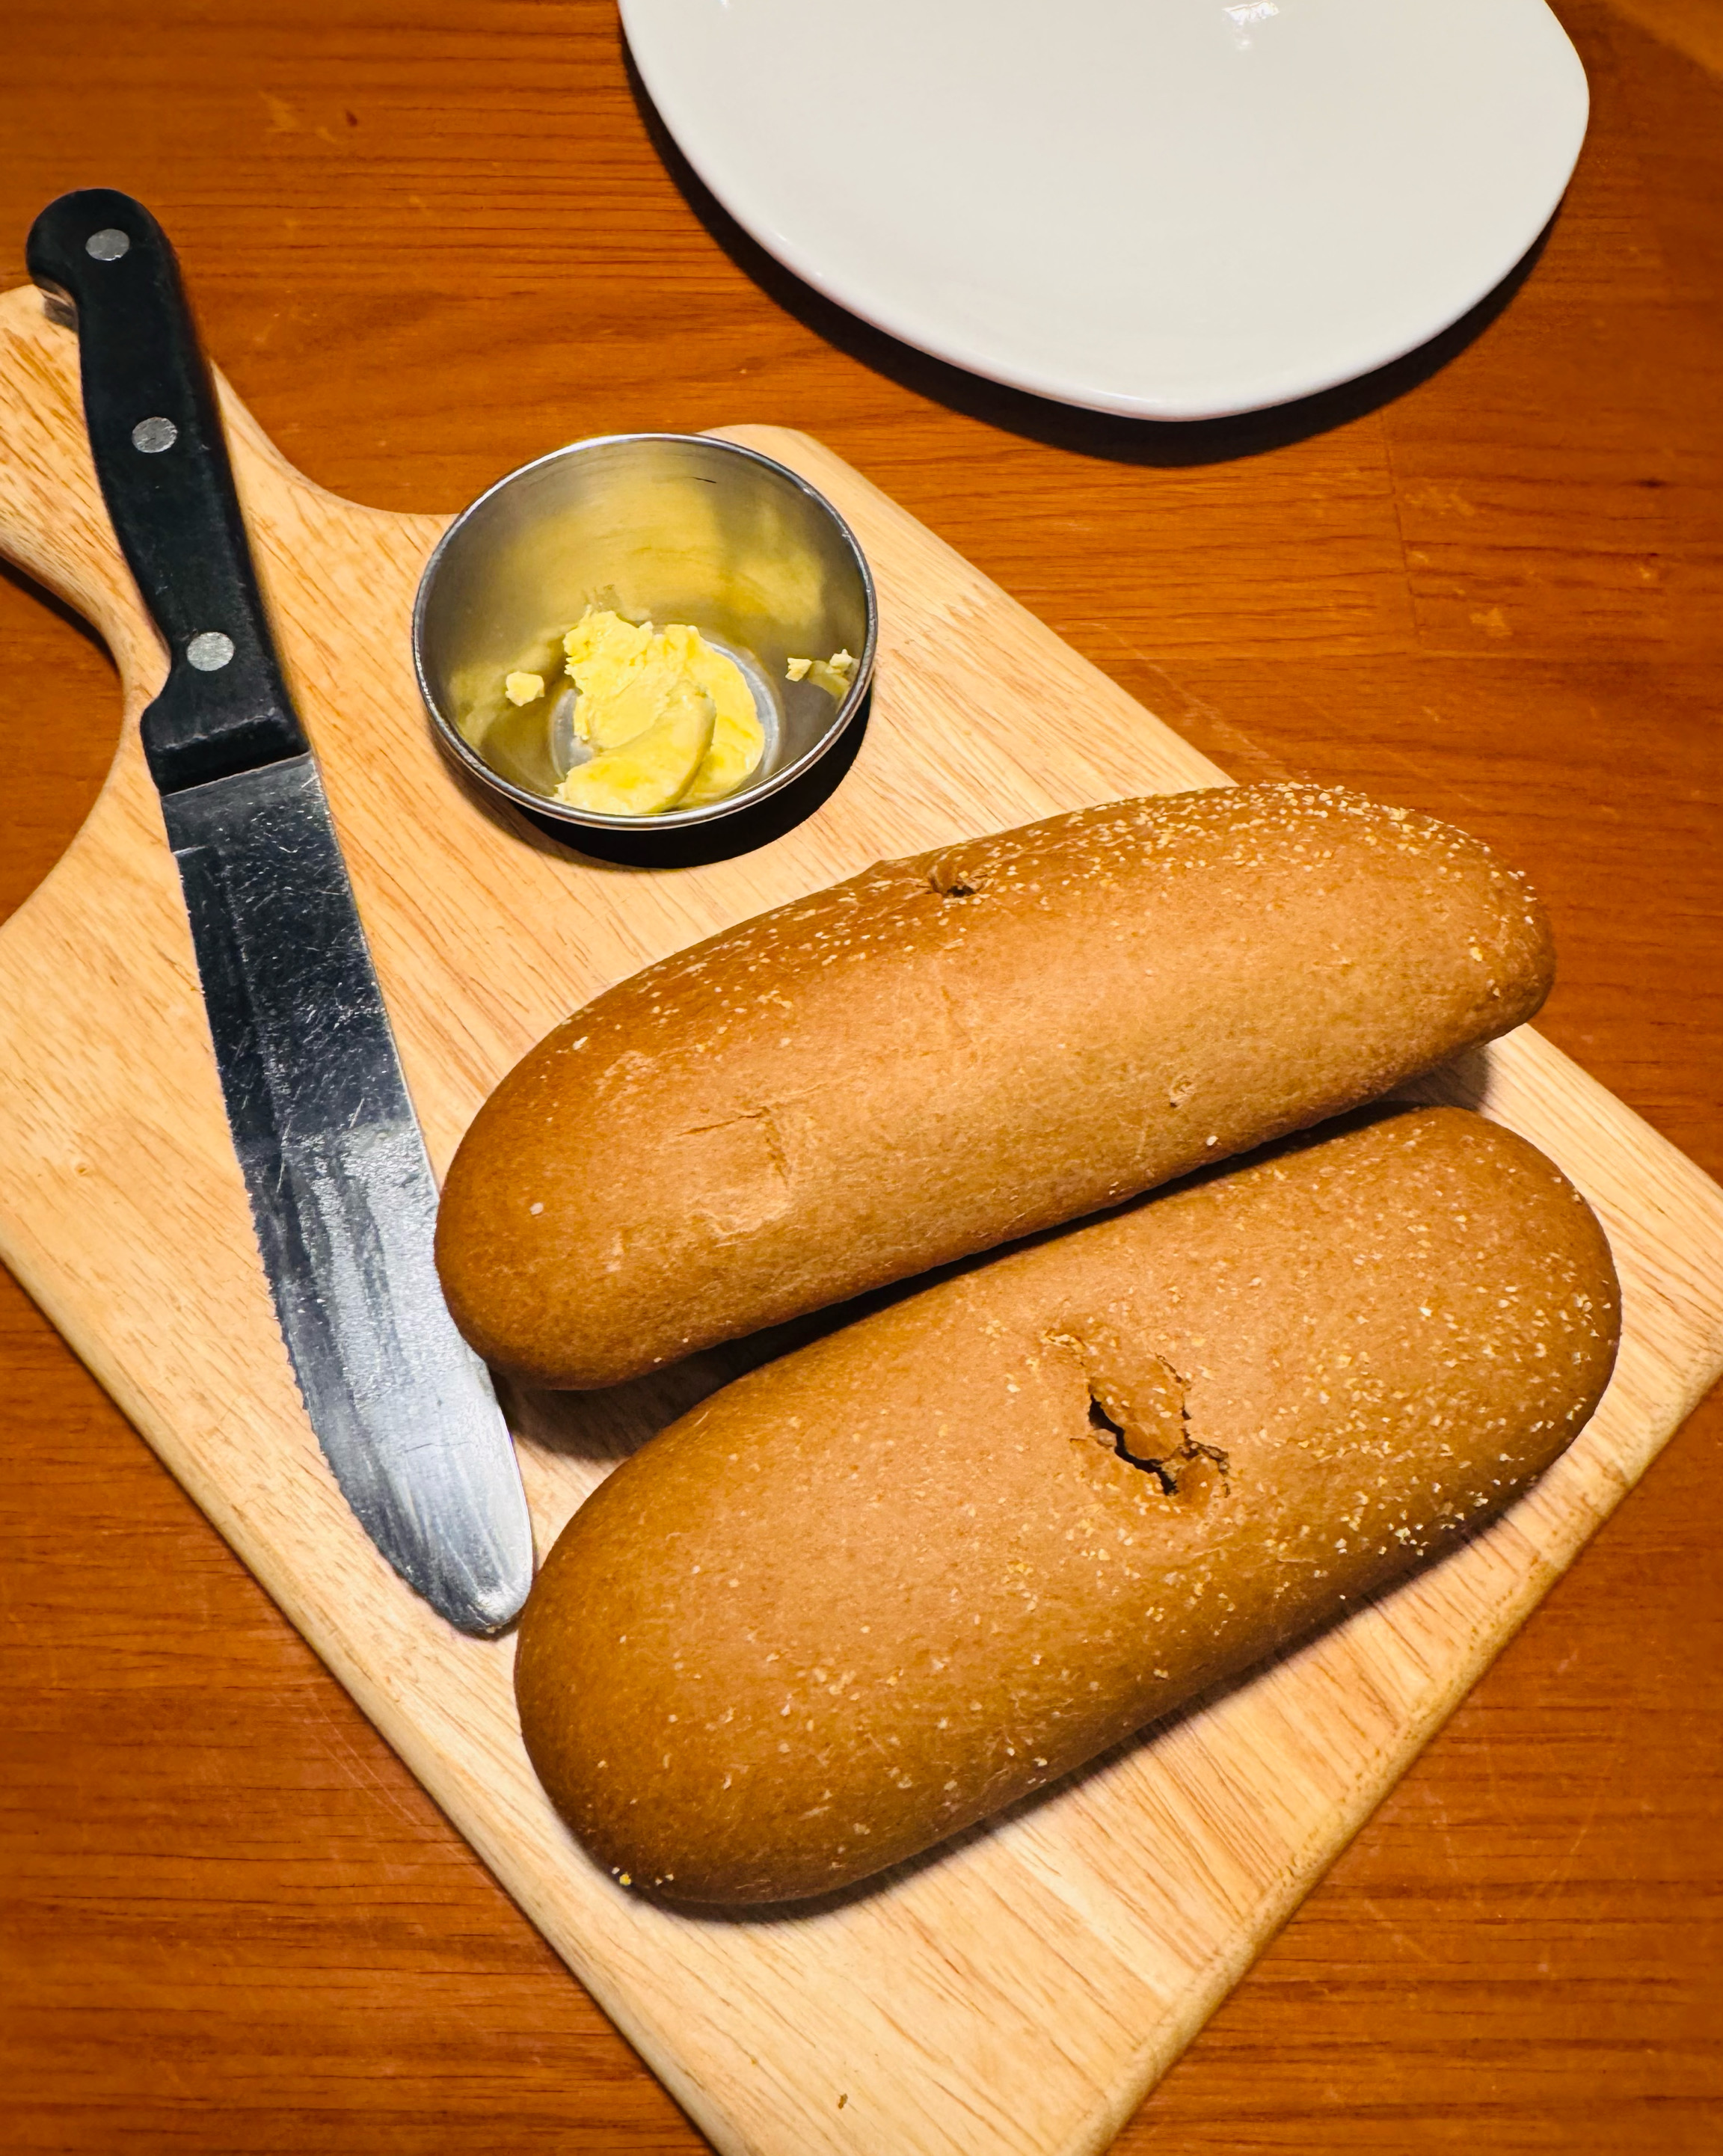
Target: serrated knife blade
(342,1198)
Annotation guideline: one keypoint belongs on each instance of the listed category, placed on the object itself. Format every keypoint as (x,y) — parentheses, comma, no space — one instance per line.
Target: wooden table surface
(427,244)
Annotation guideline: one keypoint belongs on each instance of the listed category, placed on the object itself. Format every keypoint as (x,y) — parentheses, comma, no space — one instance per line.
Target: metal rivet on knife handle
(210,651)
(152,436)
(108,244)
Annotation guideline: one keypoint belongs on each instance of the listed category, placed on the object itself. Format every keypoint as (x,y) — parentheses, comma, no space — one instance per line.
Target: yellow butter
(629,677)
(653,769)
(832,674)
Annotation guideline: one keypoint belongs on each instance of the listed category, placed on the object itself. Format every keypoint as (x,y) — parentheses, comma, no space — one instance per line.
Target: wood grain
(1564,2009)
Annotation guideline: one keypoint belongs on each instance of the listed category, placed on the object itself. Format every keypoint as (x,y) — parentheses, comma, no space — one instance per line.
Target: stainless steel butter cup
(662,528)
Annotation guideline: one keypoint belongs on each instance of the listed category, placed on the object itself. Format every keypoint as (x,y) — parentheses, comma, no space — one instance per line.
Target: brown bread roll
(948,1053)
(869,1593)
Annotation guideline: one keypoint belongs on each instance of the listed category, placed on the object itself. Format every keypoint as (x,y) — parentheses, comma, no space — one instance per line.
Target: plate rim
(1265,390)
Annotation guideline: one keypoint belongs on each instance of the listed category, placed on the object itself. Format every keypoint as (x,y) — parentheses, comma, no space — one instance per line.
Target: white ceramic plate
(1170,208)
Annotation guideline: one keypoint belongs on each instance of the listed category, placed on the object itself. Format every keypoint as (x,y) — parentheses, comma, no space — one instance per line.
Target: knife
(342,1198)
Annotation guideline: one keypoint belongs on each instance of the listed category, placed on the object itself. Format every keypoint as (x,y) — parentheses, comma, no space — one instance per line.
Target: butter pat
(650,692)
(523,688)
(653,769)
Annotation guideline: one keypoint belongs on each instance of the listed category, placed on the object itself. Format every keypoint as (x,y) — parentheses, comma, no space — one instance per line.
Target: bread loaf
(867,1594)
(947,1053)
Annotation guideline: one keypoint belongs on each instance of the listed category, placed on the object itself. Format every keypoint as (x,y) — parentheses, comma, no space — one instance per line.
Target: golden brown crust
(947,1053)
(872,1591)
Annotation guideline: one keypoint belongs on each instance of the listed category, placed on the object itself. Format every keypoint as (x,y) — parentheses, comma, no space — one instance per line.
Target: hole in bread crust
(949,880)
(1128,1437)
(1194,1449)
(1099,1419)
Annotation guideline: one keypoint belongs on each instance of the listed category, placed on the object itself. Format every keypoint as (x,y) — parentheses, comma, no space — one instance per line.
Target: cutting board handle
(53,521)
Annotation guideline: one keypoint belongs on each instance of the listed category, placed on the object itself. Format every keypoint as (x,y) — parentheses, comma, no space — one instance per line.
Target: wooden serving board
(1020,1990)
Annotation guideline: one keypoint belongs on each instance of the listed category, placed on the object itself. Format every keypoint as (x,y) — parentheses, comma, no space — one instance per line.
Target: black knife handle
(162,461)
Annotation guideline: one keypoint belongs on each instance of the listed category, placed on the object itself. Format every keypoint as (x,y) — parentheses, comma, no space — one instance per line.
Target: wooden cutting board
(1020,1990)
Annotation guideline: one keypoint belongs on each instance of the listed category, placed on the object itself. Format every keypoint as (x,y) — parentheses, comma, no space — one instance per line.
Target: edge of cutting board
(1020,1990)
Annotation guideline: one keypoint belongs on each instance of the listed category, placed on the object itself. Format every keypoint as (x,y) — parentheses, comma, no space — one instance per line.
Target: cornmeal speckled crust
(872,1591)
(947,1053)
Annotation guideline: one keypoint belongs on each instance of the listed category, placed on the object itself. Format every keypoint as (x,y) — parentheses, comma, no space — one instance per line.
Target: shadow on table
(1161,442)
